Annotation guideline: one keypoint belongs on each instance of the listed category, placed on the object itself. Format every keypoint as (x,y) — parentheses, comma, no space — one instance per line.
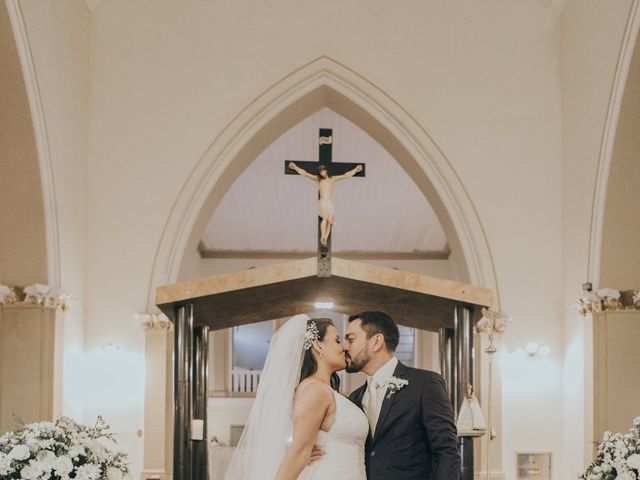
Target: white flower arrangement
(606,299)
(39,294)
(395,384)
(154,321)
(61,450)
(618,456)
(7,295)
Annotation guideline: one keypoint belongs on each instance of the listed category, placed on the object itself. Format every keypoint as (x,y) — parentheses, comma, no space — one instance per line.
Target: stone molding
(36,294)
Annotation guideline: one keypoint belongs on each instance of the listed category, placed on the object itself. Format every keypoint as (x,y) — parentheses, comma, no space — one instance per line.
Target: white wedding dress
(343,445)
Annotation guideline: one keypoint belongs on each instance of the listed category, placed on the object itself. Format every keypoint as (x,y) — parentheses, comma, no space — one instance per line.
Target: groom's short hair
(379,322)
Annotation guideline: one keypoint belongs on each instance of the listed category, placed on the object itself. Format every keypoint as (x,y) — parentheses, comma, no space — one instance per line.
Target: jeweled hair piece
(311,335)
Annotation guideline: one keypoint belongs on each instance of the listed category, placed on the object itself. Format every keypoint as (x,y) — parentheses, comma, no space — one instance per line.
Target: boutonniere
(396,384)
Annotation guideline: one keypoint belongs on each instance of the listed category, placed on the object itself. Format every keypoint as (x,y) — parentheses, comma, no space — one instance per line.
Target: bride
(298,406)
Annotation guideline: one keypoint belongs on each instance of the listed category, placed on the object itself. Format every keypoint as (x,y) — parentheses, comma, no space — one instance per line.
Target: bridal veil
(265,437)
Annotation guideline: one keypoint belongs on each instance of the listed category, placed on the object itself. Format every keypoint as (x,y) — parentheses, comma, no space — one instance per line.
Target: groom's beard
(355,365)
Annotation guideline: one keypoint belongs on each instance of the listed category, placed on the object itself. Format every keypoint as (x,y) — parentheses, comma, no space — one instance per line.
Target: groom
(412,432)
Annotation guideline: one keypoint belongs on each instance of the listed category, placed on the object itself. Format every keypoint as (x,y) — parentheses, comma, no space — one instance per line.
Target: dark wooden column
(200,395)
(183,392)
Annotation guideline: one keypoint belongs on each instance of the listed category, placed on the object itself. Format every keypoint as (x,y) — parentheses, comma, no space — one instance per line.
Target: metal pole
(182,390)
(200,389)
(464,369)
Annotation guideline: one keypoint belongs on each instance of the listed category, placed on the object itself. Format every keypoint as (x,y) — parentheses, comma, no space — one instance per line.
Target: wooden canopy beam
(170,295)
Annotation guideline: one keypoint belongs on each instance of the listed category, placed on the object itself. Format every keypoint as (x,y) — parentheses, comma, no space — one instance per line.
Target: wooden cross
(325,143)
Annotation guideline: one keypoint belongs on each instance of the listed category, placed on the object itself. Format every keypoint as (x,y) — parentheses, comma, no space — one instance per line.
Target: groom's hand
(316,453)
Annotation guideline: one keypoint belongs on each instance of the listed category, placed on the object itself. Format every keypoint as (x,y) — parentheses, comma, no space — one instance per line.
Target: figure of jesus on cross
(328,174)
(326,208)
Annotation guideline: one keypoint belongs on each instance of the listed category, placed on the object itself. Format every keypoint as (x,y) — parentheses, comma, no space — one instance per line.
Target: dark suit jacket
(416,435)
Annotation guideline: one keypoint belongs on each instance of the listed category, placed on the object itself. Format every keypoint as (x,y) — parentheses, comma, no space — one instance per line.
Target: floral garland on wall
(154,321)
(37,294)
(606,299)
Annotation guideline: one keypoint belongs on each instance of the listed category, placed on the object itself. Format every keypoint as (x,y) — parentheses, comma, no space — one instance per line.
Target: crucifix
(327,174)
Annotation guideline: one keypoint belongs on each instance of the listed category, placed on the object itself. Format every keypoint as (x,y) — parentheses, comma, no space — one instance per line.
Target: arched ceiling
(268,213)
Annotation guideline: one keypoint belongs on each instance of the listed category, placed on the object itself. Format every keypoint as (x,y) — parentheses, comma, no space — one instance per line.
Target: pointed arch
(324,83)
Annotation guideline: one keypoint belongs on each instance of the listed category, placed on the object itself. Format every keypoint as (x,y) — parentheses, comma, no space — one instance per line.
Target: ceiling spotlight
(323,305)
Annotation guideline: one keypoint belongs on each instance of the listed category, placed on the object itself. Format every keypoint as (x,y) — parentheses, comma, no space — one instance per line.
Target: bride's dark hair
(309,364)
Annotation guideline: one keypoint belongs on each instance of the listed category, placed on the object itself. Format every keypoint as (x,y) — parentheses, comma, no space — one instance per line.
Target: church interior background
(142,144)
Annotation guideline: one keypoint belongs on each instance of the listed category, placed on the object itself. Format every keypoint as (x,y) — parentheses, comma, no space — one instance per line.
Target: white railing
(245,381)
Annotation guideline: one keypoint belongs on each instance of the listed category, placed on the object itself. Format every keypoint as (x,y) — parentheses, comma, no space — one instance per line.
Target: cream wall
(593,33)
(505,90)
(616,363)
(53,41)
(30,353)
(485,83)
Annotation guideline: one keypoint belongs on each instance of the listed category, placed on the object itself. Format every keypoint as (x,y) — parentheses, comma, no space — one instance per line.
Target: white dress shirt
(376,388)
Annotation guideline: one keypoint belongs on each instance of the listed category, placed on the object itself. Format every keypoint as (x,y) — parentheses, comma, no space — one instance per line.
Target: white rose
(31,471)
(5,464)
(19,452)
(46,458)
(634,461)
(62,465)
(88,471)
(76,451)
(114,473)
(96,448)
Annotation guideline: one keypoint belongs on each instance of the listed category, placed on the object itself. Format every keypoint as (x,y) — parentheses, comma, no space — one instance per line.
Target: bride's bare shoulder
(312,401)
(310,389)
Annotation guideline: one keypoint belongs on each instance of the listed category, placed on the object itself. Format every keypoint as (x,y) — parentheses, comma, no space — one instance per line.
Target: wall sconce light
(532,349)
